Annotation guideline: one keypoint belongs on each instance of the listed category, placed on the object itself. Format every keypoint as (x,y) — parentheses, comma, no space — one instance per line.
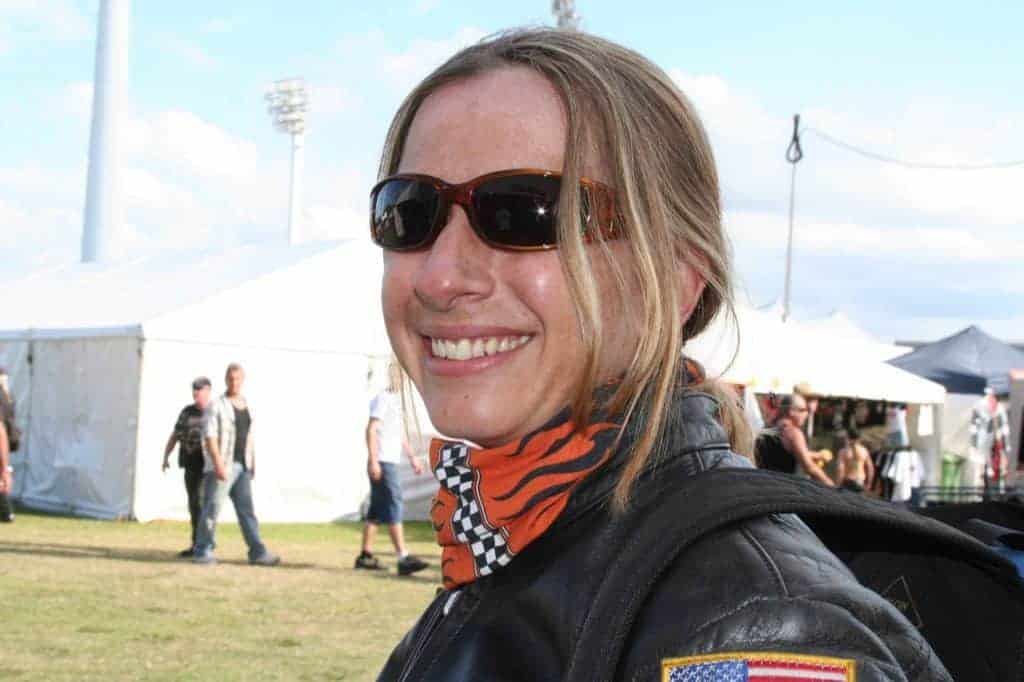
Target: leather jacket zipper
(433,619)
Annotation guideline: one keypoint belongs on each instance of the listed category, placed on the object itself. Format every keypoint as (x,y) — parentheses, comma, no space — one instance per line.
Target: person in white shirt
(385,444)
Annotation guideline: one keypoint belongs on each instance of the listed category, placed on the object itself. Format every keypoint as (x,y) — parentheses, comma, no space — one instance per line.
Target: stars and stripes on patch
(758,666)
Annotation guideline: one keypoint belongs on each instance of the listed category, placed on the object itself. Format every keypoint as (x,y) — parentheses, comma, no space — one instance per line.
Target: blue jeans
(239,487)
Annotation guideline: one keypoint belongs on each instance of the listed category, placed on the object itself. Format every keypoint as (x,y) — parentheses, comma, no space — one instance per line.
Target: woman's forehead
(505,118)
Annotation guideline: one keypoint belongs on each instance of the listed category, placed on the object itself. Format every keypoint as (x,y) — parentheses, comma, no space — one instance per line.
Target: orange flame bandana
(494,502)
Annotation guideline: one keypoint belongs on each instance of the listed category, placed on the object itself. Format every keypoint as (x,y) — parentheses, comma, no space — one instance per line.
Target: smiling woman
(550,219)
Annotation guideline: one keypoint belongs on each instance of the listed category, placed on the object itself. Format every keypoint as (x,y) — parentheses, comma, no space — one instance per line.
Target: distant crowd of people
(217,452)
(216,448)
(784,447)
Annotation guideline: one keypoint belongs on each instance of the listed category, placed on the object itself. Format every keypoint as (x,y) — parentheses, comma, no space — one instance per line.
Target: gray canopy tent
(966,362)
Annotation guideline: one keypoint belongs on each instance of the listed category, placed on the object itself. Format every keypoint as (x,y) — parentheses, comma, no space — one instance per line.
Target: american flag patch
(757,666)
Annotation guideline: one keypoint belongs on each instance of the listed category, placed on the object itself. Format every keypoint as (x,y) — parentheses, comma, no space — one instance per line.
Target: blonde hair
(659,161)
(395,376)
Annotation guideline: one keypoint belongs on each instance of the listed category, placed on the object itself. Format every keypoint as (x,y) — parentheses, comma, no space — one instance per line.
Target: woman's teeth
(466,349)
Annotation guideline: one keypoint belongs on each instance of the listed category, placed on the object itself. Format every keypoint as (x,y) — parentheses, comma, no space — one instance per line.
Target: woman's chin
(488,428)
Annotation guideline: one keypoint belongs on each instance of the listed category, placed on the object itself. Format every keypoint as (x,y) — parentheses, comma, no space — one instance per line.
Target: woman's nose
(456,267)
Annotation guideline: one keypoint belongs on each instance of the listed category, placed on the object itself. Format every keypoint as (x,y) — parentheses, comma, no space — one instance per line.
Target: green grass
(97,600)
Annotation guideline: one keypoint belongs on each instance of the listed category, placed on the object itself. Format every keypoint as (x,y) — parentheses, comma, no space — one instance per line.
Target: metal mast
(565,14)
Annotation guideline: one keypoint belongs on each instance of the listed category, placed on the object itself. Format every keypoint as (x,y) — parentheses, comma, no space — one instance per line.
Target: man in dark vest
(188,436)
(783,447)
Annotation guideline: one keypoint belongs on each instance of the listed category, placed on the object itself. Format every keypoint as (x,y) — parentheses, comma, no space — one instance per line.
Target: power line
(910,164)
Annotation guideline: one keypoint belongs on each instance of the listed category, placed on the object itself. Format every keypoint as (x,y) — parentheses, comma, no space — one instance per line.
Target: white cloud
(926,329)
(837,188)
(332,99)
(33,20)
(183,141)
(946,244)
(406,69)
(20,223)
(186,183)
(337,205)
(908,242)
(192,53)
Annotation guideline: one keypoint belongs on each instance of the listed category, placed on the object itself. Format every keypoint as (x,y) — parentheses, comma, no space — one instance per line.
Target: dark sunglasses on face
(512,209)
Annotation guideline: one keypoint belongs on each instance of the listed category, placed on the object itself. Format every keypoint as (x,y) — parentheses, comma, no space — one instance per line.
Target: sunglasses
(515,210)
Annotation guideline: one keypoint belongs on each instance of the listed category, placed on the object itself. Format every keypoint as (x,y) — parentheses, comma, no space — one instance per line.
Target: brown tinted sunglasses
(510,209)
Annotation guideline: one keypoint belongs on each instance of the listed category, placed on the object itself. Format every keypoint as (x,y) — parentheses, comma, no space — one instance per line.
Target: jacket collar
(692,429)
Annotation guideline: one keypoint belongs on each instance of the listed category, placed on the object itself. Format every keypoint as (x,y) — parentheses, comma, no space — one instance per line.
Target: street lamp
(288,104)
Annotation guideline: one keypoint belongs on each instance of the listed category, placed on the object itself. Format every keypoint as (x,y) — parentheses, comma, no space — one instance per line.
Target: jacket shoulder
(769,586)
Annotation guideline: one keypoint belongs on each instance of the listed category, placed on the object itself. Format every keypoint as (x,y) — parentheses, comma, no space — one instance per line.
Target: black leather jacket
(768,585)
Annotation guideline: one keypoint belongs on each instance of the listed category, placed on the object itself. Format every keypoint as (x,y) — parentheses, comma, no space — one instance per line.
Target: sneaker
(204,559)
(368,561)
(187,553)
(265,559)
(410,565)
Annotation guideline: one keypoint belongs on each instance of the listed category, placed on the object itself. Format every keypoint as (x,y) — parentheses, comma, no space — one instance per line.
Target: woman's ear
(691,288)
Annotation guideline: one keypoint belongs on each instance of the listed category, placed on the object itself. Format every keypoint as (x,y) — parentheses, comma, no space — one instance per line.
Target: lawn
(98,600)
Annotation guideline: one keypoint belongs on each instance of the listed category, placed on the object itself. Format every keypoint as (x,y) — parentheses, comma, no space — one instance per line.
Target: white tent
(839,325)
(760,351)
(101,357)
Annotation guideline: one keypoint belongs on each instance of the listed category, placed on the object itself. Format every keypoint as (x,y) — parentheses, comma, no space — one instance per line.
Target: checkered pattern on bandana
(493,502)
(487,544)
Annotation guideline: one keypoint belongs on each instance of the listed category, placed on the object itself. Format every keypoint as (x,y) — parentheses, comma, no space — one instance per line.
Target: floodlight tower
(565,14)
(102,218)
(288,103)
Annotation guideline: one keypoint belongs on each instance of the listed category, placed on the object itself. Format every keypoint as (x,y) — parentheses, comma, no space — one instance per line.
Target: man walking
(385,443)
(188,436)
(228,471)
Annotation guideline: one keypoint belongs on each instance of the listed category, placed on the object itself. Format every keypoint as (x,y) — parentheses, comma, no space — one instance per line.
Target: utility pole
(288,104)
(565,14)
(793,155)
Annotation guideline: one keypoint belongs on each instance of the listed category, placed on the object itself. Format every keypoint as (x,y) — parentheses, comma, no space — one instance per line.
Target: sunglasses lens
(518,210)
(403,212)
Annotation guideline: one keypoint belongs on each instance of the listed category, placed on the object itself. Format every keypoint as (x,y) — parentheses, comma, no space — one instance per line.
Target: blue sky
(906,253)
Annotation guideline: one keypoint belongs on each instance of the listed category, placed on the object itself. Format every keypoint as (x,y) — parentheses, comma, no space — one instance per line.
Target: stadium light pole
(288,103)
(103,212)
(565,14)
